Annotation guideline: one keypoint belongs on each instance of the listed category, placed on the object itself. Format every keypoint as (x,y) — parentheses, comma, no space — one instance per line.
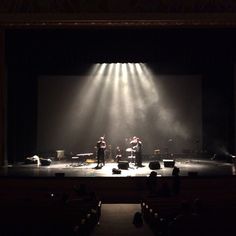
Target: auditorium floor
(194,166)
(118,219)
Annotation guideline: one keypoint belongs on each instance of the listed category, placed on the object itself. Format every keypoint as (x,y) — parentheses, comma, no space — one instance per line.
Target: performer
(118,154)
(133,142)
(139,153)
(137,146)
(101,147)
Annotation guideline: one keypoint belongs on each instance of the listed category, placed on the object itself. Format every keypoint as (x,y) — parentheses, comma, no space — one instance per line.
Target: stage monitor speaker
(45,162)
(154,165)
(123,165)
(116,171)
(169,163)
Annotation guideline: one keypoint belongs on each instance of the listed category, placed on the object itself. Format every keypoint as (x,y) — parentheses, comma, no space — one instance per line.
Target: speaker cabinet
(169,163)
(154,165)
(116,171)
(123,165)
(45,162)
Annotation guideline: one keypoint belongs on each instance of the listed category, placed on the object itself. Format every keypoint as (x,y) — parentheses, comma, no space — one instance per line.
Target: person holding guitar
(101,147)
(137,146)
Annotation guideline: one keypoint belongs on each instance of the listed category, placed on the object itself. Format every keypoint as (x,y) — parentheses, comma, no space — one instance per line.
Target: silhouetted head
(153,174)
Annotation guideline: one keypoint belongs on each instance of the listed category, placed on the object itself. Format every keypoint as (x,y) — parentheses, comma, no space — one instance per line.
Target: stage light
(122,95)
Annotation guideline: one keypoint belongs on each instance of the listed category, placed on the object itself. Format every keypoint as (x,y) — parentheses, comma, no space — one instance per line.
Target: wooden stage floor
(187,166)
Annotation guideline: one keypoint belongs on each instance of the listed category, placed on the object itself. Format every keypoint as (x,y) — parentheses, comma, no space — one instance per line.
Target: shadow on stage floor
(65,168)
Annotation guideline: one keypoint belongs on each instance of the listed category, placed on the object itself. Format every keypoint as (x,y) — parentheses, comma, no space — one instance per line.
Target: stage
(199,177)
(194,166)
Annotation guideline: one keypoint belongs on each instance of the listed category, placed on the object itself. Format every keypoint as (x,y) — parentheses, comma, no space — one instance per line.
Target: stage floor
(199,166)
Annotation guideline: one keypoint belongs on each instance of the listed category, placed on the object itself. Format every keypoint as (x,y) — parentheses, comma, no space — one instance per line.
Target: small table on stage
(80,159)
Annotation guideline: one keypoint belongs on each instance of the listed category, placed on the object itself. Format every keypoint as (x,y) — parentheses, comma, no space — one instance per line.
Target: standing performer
(137,146)
(139,157)
(133,142)
(118,154)
(101,147)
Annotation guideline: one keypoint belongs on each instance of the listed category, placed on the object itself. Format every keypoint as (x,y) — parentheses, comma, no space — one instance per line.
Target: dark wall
(176,51)
(21,113)
(218,111)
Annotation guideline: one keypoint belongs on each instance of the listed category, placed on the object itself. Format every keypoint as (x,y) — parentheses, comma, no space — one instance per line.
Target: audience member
(138,220)
(81,190)
(152,183)
(176,181)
